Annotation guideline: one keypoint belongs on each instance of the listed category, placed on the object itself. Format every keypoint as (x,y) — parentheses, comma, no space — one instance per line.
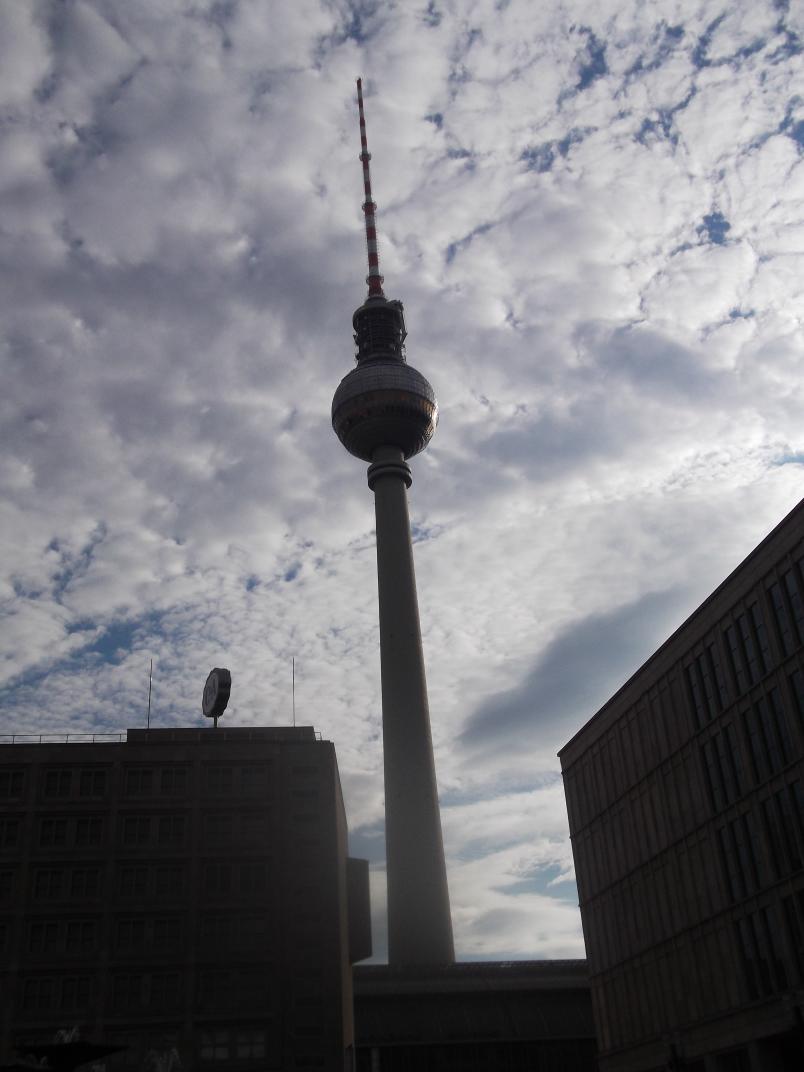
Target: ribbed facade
(686,804)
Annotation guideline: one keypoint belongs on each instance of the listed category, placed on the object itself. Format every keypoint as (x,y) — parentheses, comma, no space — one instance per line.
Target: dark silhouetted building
(184,893)
(685,795)
(514,1016)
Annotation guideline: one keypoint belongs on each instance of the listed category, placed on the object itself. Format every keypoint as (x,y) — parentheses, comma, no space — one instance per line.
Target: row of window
(656,813)
(769,747)
(132,992)
(140,831)
(749,655)
(714,678)
(687,980)
(62,783)
(244,932)
(670,895)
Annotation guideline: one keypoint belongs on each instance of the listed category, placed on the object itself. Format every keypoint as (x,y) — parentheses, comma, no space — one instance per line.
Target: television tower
(384,412)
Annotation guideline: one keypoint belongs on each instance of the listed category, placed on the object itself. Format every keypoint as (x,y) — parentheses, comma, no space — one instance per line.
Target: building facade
(685,795)
(487,1016)
(182,893)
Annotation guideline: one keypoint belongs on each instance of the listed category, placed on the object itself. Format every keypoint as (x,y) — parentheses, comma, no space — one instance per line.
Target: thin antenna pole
(374,279)
(150,682)
(293,675)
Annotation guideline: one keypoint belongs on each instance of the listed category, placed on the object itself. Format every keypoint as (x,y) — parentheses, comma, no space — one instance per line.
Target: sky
(594,215)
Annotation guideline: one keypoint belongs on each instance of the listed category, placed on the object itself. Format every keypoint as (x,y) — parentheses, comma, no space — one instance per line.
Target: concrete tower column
(419,922)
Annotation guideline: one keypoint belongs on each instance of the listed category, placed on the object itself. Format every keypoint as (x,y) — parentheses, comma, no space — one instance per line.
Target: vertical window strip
(696,696)
(795,936)
(781,617)
(713,656)
(796,605)
(736,659)
(785,803)
(750,648)
(779,721)
(731,869)
(761,633)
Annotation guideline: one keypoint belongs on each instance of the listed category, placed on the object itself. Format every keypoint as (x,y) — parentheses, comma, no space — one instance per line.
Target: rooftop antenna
(293,677)
(150,681)
(374,279)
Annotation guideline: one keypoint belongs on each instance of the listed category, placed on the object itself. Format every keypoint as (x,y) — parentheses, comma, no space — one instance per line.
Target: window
(171,829)
(127,991)
(80,936)
(75,993)
(216,989)
(88,830)
(85,882)
(250,1044)
(57,783)
(6,885)
(219,780)
(165,992)
(92,783)
(796,605)
(136,829)
(43,936)
(736,659)
(217,878)
(130,934)
(53,832)
(722,765)
(763,967)
(781,618)
(167,932)
(768,736)
(738,848)
(39,994)
(12,784)
(48,884)
(132,882)
(753,661)
(215,1045)
(253,828)
(795,930)
(252,877)
(218,829)
(698,697)
(173,781)
(253,780)
(170,881)
(797,685)
(9,833)
(139,782)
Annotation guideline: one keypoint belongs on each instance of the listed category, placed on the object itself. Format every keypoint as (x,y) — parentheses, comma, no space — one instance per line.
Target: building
(493,1016)
(686,807)
(184,893)
(385,412)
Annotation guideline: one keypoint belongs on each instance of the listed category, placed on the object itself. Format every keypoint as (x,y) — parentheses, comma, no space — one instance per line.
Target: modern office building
(385,412)
(685,795)
(489,1016)
(184,893)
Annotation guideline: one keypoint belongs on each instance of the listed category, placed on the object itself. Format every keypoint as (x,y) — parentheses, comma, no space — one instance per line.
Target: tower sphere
(384,403)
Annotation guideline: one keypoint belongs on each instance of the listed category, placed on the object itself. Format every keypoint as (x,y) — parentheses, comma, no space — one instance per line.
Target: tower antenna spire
(374,279)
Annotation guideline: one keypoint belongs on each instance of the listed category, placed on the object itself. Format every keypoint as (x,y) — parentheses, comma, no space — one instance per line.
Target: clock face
(217,690)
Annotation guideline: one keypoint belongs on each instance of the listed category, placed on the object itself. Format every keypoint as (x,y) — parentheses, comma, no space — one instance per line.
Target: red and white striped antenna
(374,279)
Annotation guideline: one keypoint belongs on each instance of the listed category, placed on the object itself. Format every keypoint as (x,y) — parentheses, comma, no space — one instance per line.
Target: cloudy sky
(594,214)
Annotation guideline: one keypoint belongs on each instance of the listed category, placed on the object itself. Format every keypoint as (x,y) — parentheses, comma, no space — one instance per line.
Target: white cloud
(593,214)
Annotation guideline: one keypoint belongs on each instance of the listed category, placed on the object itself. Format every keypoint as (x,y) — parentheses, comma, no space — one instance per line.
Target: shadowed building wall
(498,1016)
(685,795)
(182,890)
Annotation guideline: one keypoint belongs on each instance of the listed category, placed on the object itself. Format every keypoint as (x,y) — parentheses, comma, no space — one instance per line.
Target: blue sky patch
(714,228)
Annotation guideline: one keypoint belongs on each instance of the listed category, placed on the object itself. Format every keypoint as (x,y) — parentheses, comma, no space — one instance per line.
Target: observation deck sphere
(384,404)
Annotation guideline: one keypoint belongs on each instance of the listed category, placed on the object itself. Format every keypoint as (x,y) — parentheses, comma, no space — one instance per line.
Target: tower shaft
(419,922)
